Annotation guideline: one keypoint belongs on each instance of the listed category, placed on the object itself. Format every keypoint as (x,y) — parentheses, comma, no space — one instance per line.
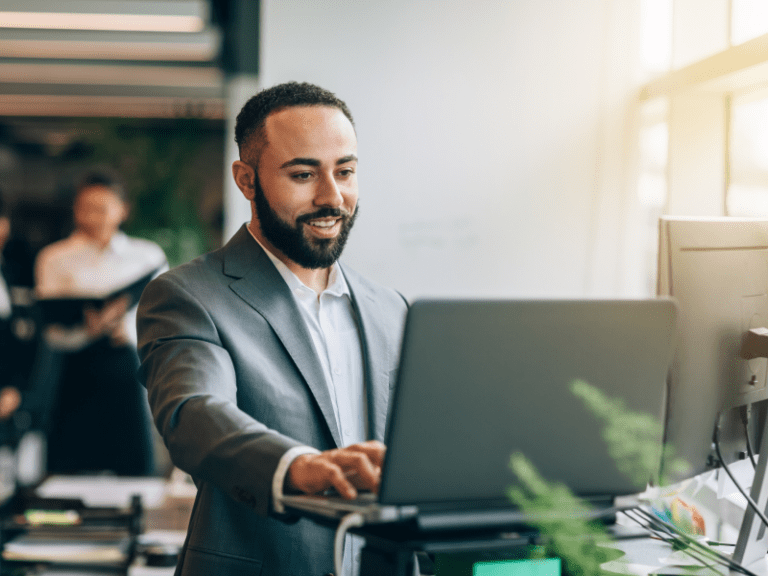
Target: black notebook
(68,310)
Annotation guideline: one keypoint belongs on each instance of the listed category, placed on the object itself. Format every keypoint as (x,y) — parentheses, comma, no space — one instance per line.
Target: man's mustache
(324,213)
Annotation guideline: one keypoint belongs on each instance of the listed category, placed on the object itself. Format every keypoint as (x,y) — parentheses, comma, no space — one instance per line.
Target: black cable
(751,502)
(663,532)
(745,421)
(660,531)
(685,542)
(660,534)
(679,544)
(679,536)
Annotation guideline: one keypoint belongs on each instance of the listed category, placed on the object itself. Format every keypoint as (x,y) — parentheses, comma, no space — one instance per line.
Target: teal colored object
(541,567)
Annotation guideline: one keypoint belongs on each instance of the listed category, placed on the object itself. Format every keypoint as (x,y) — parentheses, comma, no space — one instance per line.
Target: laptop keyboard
(361,499)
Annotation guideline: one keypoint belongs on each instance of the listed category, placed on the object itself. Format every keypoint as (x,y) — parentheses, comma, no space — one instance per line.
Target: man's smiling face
(305,191)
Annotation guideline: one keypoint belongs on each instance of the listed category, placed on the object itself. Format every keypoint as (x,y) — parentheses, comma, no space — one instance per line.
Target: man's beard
(290,239)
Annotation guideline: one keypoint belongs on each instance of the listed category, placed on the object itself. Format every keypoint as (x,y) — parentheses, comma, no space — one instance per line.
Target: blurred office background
(508,148)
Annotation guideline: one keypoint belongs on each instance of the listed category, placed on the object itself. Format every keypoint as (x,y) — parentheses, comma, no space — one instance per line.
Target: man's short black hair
(104,179)
(249,127)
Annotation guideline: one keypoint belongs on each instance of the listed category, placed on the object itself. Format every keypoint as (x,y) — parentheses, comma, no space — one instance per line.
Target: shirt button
(337,371)
(347,433)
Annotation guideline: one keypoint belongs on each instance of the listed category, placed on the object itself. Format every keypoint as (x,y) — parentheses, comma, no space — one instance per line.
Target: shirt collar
(117,243)
(337,284)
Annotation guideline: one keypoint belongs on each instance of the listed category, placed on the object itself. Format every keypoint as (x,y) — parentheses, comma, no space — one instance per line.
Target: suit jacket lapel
(375,355)
(261,286)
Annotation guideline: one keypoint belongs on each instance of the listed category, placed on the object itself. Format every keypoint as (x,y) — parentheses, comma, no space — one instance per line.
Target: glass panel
(748,191)
(700,29)
(653,153)
(654,147)
(652,190)
(656,37)
(749,19)
(652,185)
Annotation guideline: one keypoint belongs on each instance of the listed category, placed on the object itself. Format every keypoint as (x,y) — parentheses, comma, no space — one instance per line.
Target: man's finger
(325,474)
(342,485)
(315,473)
(358,468)
(374,449)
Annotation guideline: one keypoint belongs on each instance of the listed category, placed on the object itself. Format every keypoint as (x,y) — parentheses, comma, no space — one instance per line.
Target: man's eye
(346,172)
(302,175)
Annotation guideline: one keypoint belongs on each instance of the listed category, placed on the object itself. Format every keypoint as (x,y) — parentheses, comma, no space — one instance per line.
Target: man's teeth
(323,224)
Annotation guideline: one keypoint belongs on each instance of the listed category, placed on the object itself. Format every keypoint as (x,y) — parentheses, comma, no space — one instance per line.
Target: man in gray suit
(269,366)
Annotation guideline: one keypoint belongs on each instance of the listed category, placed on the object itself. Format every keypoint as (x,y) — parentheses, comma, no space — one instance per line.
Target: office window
(652,179)
(749,19)
(747,193)
(730,122)
(656,37)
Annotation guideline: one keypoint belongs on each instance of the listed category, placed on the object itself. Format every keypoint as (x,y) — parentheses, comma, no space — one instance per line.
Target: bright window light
(748,191)
(745,200)
(749,20)
(652,190)
(118,22)
(654,144)
(656,36)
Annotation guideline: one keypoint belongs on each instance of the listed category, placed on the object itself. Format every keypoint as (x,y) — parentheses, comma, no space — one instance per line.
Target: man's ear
(244,176)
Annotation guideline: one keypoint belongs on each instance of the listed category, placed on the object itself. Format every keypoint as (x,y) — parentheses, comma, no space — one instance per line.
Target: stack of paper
(34,547)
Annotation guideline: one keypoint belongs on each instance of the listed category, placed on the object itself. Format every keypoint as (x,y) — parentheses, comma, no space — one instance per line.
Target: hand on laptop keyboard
(347,470)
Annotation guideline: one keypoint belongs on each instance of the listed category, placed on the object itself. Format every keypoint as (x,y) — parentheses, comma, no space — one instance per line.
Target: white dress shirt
(330,318)
(5,297)
(331,322)
(77,267)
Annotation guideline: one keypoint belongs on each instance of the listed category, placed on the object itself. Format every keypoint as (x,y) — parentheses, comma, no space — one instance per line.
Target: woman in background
(100,421)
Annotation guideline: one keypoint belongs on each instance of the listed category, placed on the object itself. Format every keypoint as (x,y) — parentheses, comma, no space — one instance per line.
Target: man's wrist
(278,480)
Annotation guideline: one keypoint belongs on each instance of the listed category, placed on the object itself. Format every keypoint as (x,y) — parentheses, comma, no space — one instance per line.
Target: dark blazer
(234,382)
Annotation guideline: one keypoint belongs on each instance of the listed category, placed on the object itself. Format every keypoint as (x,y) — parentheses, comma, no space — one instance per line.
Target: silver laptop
(480,380)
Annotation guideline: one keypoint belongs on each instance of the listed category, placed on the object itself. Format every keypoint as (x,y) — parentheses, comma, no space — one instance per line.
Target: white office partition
(493,136)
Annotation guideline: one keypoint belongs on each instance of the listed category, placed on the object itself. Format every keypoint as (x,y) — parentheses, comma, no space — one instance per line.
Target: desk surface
(166,510)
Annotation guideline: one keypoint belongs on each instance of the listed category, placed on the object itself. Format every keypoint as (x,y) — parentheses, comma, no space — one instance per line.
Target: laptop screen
(481,380)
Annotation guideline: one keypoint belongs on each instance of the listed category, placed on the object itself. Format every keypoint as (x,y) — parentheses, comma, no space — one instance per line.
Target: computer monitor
(717,269)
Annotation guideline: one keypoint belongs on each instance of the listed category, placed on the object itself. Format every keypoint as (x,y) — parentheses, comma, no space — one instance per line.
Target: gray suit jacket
(234,382)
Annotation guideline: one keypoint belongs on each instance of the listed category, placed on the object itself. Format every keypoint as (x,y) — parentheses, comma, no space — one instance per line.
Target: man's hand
(10,400)
(119,336)
(106,320)
(346,469)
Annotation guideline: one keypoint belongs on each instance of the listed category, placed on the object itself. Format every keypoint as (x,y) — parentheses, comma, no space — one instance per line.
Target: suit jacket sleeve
(192,387)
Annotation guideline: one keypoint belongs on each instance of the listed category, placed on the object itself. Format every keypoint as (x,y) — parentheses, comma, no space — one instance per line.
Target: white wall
(491,136)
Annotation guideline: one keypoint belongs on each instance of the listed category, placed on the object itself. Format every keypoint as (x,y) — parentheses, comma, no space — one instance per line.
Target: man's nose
(329,192)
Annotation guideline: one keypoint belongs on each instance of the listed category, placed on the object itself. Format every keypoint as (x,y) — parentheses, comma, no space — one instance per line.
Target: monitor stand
(752,544)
